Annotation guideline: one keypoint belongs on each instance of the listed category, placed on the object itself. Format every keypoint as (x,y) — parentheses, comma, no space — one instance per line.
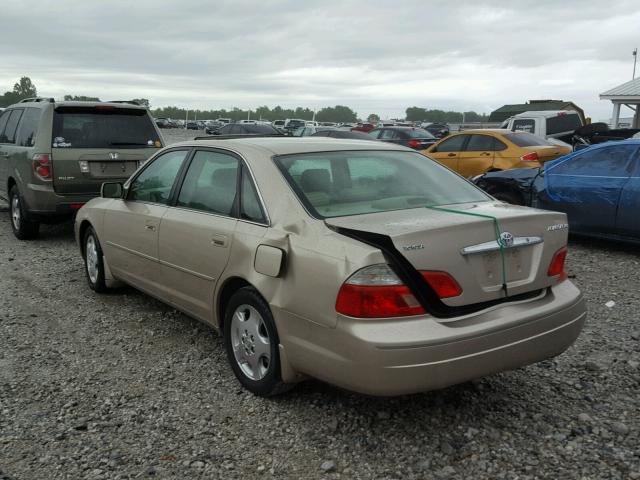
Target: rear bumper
(42,202)
(393,357)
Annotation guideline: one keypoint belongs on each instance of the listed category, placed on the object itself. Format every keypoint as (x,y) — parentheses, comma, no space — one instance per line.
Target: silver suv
(54,156)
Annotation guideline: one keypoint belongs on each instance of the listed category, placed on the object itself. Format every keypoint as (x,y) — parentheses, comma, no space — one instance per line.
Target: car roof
(291,145)
(490,130)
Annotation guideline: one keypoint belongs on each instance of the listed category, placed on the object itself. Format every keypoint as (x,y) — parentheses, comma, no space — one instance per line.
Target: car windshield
(103,127)
(335,184)
(527,140)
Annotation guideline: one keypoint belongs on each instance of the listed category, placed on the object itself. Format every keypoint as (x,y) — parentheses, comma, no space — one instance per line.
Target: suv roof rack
(37,99)
(231,136)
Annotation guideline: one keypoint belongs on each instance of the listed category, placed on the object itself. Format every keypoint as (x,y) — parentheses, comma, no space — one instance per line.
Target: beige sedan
(363,264)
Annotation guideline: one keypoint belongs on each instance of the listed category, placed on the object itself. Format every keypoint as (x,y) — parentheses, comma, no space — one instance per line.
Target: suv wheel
(93,261)
(23,228)
(251,341)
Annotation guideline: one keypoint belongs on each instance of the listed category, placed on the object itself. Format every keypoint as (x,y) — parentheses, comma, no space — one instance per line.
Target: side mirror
(111,190)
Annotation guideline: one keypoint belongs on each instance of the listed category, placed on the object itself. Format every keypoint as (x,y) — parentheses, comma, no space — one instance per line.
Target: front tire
(94,262)
(23,228)
(252,343)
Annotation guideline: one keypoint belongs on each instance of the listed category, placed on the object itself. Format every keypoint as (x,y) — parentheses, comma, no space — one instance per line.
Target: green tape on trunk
(498,239)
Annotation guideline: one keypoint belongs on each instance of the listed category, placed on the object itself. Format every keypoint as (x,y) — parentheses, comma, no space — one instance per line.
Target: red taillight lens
(415,143)
(42,166)
(556,267)
(442,283)
(530,157)
(377,301)
(376,292)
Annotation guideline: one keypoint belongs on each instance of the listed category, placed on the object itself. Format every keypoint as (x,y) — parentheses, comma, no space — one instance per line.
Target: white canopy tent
(627,94)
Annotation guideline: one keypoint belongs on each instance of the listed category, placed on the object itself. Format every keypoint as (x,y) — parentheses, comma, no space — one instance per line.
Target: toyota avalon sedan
(364,264)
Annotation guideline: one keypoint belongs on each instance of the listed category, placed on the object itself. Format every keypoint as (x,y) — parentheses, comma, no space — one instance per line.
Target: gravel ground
(120,386)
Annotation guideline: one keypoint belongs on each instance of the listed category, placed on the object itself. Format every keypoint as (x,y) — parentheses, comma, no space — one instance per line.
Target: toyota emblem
(506,239)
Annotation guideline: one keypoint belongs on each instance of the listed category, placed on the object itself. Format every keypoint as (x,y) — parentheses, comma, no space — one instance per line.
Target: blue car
(597,187)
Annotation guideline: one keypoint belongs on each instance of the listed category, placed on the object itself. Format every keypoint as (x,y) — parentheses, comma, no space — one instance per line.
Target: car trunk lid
(462,241)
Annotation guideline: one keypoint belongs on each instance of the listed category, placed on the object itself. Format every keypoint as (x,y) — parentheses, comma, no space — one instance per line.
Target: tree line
(25,88)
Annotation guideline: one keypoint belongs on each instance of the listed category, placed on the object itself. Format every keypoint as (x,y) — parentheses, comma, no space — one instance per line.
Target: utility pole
(635,58)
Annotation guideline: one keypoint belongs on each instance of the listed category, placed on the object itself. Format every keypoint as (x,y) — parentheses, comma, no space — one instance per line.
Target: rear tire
(252,343)
(23,228)
(93,262)
(508,197)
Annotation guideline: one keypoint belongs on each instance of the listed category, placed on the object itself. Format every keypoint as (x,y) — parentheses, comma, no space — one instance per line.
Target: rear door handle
(451,155)
(150,227)
(219,240)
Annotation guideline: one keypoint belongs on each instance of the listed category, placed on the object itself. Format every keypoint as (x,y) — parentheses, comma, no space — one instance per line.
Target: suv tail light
(415,143)
(442,283)
(376,292)
(530,157)
(42,166)
(556,267)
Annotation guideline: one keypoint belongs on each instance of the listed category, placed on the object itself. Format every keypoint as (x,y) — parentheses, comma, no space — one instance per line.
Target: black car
(343,134)
(439,130)
(193,126)
(245,129)
(416,138)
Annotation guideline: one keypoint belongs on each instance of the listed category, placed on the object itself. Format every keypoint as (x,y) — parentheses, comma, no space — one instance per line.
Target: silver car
(363,264)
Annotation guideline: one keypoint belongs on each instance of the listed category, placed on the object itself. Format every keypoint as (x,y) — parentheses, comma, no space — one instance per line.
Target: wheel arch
(84,226)
(230,286)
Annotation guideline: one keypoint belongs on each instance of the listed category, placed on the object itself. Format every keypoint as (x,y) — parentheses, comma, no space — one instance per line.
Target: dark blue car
(597,187)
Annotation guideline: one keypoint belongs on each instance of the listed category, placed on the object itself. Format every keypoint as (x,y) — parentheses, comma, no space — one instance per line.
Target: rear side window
(481,143)
(453,144)
(103,127)
(250,208)
(4,116)
(211,183)
(563,123)
(388,135)
(9,134)
(525,125)
(527,140)
(155,182)
(28,127)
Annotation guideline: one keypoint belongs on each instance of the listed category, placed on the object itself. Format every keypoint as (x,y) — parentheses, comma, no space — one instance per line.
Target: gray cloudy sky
(374,56)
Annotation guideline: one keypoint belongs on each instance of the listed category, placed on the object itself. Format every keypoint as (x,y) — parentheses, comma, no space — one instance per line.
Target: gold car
(360,263)
(474,152)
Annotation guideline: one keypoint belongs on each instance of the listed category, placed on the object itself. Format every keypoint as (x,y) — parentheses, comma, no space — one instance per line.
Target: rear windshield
(91,127)
(258,128)
(420,133)
(527,140)
(335,184)
(296,123)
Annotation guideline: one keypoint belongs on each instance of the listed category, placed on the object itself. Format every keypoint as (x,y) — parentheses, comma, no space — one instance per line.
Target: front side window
(156,180)
(333,184)
(4,117)
(387,135)
(211,183)
(525,125)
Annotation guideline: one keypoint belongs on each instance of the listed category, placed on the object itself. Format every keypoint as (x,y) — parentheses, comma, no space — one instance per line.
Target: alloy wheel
(250,341)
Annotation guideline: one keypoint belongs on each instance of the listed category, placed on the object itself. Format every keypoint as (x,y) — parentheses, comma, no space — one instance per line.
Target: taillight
(556,267)
(442,283)
(415,143)
(42,166)
(376,292)
(530,157)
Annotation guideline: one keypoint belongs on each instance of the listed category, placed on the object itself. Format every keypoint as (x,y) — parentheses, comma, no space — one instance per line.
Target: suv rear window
(563,123)
(103,127)
(527,140)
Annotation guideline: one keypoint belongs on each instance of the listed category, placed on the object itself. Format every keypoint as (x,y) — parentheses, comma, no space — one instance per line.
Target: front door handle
(451,155)
(150,227)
